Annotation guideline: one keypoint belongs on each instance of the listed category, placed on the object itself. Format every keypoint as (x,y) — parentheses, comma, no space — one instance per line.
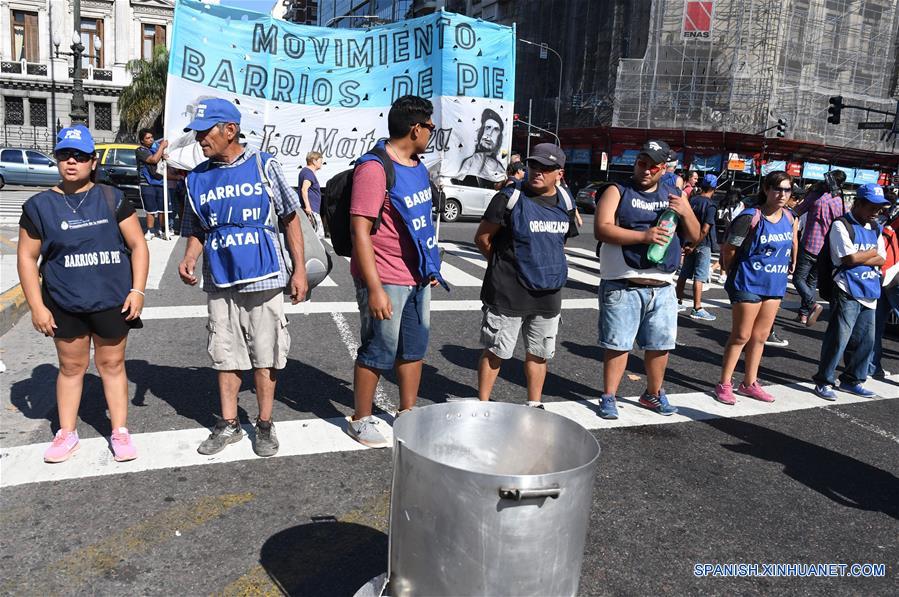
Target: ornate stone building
(36,85)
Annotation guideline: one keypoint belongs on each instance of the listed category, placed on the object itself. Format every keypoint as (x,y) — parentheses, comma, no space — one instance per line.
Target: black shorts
(109,324)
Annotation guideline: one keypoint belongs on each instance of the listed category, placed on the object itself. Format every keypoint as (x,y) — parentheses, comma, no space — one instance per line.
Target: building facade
(36,85)
(339,13)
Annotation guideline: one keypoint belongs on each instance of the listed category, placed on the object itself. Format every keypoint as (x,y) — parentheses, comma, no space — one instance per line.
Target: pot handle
(512,493)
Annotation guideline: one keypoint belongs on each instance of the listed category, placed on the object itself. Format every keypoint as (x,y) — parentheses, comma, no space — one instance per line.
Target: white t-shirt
(612,266)
(841,246)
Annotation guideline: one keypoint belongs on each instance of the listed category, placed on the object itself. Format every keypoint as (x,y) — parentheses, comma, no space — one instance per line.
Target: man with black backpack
(855,250)
(522,234)
(395,261)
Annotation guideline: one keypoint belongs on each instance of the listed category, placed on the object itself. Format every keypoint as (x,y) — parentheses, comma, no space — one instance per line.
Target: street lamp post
(558,97)
(78,113)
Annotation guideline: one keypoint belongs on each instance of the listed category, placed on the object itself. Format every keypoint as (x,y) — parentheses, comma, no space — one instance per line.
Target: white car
(464,201)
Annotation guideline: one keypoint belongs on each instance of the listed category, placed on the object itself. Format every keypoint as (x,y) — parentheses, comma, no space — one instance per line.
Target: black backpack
(826,270)
(338,195)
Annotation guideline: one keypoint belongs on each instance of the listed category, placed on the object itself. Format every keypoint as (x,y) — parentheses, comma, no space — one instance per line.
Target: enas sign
(698,20)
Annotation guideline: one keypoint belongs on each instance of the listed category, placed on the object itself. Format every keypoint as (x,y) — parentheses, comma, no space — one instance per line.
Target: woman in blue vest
(759,253)
(89,286)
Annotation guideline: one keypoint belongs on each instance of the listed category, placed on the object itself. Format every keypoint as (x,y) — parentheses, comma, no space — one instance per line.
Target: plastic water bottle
(668,221)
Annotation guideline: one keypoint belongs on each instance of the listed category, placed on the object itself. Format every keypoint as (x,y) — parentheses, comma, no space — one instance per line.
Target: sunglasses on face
(428,125)
(538,167)
(647,165)
(66,154)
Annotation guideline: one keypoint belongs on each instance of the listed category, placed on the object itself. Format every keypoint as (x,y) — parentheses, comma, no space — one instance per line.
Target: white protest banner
(301,88)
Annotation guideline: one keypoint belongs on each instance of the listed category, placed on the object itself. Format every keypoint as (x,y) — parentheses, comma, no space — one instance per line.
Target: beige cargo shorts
(247,330)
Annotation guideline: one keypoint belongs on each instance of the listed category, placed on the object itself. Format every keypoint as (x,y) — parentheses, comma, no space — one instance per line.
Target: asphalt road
(814,483)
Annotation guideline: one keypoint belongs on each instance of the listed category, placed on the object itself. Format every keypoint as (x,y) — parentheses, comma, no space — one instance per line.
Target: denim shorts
(499,334)
(697,265)
(647,315)
(404,335)
(744,296)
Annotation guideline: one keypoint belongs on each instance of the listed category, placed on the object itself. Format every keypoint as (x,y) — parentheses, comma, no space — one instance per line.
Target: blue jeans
(647,315)
(404,335)
(697,265)
(850,336)
(805,279)
(888,303)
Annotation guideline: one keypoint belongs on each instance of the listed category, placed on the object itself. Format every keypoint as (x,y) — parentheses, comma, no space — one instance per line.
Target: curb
(12,307)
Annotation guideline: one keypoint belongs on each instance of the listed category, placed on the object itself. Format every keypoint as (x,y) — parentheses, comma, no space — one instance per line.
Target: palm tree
(142,102)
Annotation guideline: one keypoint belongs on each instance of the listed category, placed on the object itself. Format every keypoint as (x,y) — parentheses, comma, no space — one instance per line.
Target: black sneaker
(775,340)
(266,439)
(223,433)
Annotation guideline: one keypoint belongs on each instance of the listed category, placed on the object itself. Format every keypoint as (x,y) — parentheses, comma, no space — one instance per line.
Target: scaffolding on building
(764,60)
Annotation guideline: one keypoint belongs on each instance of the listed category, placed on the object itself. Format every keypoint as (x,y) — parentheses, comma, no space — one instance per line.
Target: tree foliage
(142,102)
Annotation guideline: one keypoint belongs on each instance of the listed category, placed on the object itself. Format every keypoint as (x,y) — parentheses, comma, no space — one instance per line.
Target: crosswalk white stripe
(160,252)
(457,277)
(312,307)
(23,465)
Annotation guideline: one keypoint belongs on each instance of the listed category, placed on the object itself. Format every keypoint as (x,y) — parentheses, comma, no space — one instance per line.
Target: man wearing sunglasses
(636,297)
(395,263)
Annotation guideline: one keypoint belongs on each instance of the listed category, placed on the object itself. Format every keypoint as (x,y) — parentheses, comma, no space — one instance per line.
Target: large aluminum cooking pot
(489,499)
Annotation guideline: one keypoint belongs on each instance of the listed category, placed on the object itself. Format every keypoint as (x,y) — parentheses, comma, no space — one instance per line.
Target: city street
(797,481)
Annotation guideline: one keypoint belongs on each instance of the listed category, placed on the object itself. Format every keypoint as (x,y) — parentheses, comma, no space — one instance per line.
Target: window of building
(102,116)
(15,110)
(37,110)
(152,36)
(91,33)
(24,36)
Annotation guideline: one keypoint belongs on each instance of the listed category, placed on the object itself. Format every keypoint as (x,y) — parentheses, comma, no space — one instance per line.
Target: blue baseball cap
(710,179)
(76,137)
(872,193)
(211,112)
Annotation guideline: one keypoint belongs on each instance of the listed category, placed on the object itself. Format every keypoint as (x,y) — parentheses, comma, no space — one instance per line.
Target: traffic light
(836,106)
(781,127)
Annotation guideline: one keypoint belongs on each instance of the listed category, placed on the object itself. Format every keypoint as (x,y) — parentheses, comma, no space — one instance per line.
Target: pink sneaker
(755,391)
(724,393)
(122,448)
(65,443)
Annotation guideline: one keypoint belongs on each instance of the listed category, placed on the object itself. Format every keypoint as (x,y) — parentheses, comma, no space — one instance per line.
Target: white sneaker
(149,235)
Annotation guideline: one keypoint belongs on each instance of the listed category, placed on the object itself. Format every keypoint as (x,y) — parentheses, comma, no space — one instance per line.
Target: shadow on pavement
(512,371)
(35,397)
(324,558)
(843,479)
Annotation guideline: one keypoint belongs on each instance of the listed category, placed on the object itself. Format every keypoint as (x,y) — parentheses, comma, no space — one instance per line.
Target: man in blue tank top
(522,235)
(636,296)
(857,257)
(235,202)
(148,155)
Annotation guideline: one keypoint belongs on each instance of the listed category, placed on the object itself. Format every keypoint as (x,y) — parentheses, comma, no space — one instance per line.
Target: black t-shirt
(502,290)
(124,211)
(141,154)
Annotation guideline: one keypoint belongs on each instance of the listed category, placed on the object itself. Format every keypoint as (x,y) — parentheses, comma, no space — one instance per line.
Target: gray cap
(548,155)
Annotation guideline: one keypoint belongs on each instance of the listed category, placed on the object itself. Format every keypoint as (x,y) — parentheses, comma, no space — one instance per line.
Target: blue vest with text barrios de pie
(765,264)
(411,198)
(863,281)
(234,208)
(86,265)
(538,239)
(640,210)
(151,177)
